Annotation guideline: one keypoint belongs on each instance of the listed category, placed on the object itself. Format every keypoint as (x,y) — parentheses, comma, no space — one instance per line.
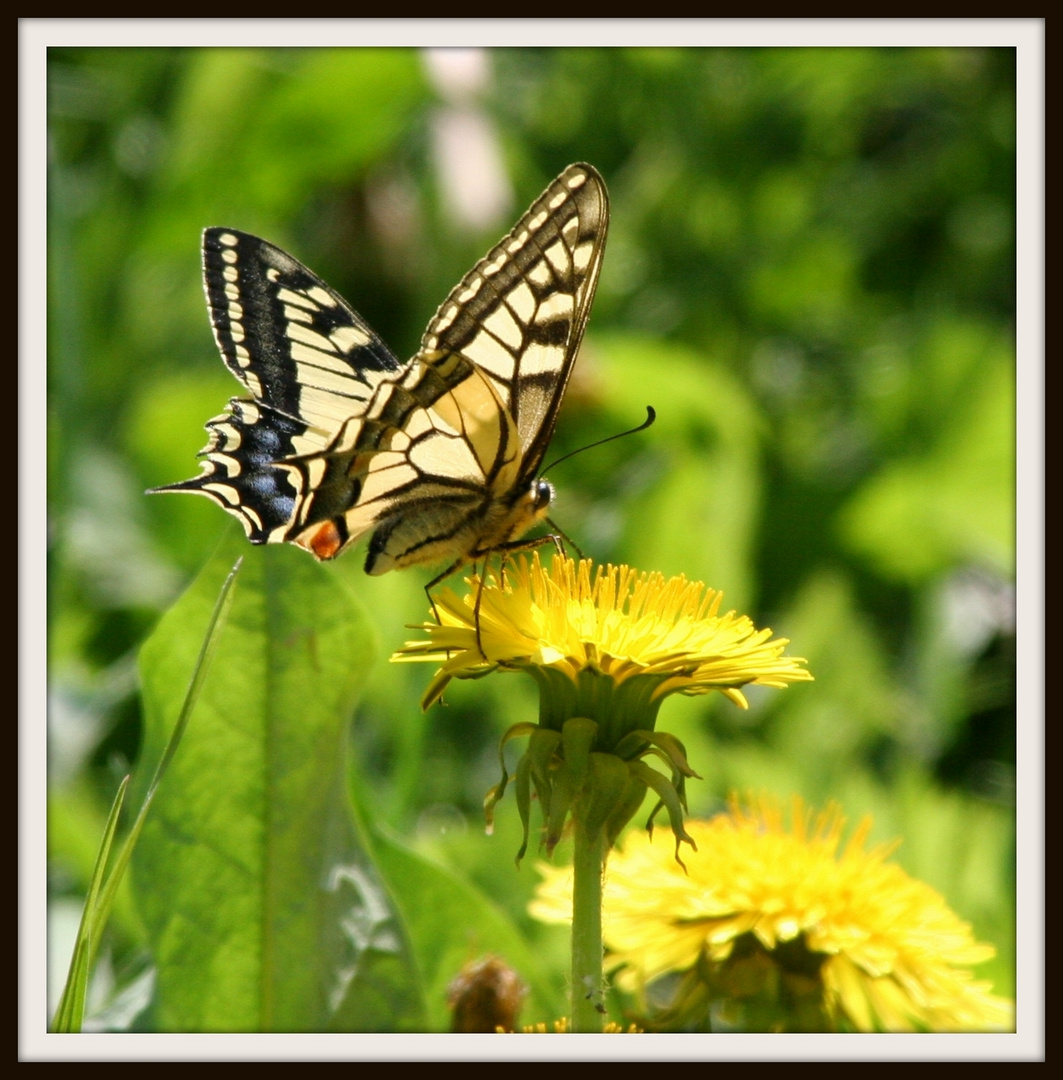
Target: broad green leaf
(263,912)
(104,886)
(450,922)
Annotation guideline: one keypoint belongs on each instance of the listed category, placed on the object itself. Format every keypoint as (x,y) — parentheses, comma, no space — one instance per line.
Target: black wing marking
(292,340)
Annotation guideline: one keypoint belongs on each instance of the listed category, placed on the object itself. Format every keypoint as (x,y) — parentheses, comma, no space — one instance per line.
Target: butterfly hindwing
(309,362)
(438,456)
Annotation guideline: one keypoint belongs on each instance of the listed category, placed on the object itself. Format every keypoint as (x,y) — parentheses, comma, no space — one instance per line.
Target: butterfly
(437,458)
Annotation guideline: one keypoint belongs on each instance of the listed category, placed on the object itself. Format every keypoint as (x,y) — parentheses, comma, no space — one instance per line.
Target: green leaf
(103,890)
(263,911)
(450,922)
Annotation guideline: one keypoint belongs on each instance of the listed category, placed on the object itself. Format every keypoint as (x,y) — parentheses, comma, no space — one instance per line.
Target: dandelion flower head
(612,620)
(883,951)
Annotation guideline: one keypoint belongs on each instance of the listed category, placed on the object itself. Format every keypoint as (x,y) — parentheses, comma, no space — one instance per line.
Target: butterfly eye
(543,495)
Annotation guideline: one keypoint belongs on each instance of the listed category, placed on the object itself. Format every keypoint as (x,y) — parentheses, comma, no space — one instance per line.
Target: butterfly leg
(479,597)
(559,536)
(454,566)
(503,551)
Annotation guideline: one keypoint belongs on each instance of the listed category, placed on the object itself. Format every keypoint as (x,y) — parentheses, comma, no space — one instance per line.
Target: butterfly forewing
(437,455)
(519,314)
(286,335)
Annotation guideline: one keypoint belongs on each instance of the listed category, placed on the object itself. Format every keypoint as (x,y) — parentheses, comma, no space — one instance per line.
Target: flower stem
(587,1007)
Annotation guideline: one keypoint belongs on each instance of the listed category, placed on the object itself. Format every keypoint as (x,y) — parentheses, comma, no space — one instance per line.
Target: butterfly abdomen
(461,532)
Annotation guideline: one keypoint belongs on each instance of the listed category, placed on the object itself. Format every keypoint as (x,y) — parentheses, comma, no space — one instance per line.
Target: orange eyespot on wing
(326,542)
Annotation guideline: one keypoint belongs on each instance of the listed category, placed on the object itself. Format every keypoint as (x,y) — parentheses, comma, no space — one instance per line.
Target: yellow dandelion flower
(612,620)
(768,918)
(606,647)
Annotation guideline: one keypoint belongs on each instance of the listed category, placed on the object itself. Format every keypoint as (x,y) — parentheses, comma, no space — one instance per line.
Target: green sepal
(556,808)
(496,793)
(677,780)
(626,808)
(632,745)
(577,740)
(543,758)
(522,782)
(669,745)
(670,799)
(605,790)
(538,767)
(580,759)
(618,708)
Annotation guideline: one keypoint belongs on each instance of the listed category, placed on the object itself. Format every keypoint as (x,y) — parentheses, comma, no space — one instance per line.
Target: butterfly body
(437,458)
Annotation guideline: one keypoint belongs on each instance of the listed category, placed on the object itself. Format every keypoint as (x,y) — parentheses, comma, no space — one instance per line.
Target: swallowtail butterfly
(437,457)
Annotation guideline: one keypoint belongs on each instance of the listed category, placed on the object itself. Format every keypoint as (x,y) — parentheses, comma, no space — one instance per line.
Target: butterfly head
(531,507)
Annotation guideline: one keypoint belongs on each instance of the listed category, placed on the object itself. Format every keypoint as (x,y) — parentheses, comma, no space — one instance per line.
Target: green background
(810,274)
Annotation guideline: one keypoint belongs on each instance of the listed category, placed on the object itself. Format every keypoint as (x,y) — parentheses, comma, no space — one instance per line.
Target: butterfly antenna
(651,415)
(560,537)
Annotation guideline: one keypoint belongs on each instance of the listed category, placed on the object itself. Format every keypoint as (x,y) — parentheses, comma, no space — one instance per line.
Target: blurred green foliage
(810,274)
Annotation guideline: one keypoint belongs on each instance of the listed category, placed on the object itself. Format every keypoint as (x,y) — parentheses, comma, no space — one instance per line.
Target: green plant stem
(587,1007)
